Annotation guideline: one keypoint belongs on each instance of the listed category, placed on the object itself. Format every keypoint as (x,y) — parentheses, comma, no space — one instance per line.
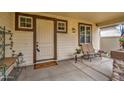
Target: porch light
(73,30)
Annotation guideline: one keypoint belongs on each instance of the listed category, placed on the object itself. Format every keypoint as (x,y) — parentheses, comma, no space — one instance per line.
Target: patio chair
(89,52)
(85,51)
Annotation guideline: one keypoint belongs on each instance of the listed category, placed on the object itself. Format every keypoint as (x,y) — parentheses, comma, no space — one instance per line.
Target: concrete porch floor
(97,70)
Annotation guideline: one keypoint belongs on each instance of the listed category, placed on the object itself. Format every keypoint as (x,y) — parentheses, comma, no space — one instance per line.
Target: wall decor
(62,26)
(24,22)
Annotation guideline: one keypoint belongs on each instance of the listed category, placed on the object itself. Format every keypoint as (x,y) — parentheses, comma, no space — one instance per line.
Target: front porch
(54,37)
(68,70)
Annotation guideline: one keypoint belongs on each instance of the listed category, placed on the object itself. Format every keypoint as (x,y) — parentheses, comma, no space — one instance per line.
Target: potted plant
(78,50)
(122,41)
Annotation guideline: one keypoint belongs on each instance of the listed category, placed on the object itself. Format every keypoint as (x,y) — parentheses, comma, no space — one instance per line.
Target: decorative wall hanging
(24,22)
(62,26)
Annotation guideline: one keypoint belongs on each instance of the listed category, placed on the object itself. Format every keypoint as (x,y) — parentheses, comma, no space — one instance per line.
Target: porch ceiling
(95,17)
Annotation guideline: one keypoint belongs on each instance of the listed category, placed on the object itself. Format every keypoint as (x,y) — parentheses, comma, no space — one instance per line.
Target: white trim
(64,26)
(20,22)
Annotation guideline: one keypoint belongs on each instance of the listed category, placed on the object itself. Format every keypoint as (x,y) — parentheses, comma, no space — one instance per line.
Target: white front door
(44,39)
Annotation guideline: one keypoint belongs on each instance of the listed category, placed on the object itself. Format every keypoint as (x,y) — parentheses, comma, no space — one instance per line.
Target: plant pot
(122,44)
(78,52)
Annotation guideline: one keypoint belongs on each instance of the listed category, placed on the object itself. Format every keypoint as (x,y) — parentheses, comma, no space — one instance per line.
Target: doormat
(45,65)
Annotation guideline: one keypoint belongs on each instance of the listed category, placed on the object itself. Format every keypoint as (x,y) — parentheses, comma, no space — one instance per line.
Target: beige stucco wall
(109,43)
(66,43)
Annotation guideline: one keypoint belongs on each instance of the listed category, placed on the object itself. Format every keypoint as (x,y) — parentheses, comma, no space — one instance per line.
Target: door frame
(54,38)
(34,31)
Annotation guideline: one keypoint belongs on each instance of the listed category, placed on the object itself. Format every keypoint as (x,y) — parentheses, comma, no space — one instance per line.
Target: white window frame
(85,34)
(19,22)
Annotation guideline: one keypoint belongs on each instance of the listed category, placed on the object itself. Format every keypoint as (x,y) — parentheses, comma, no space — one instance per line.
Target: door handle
(38,50)
(37,47)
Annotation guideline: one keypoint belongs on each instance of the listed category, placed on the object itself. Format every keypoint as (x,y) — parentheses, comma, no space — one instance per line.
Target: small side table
(76,56)
(101,52)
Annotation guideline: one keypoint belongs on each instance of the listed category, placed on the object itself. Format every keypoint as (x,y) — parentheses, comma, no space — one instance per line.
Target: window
(61,26)
(113,31)
(85,33)
(23,22)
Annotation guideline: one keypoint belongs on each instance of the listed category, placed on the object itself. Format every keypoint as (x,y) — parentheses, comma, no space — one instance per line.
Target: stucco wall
(66,43)
(109,43)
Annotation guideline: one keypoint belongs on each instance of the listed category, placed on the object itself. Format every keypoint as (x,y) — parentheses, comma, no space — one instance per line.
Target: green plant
(78,51)
(121,39)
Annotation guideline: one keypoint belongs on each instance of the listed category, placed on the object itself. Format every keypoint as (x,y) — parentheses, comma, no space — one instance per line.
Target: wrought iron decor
(3,44)
(7,35)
